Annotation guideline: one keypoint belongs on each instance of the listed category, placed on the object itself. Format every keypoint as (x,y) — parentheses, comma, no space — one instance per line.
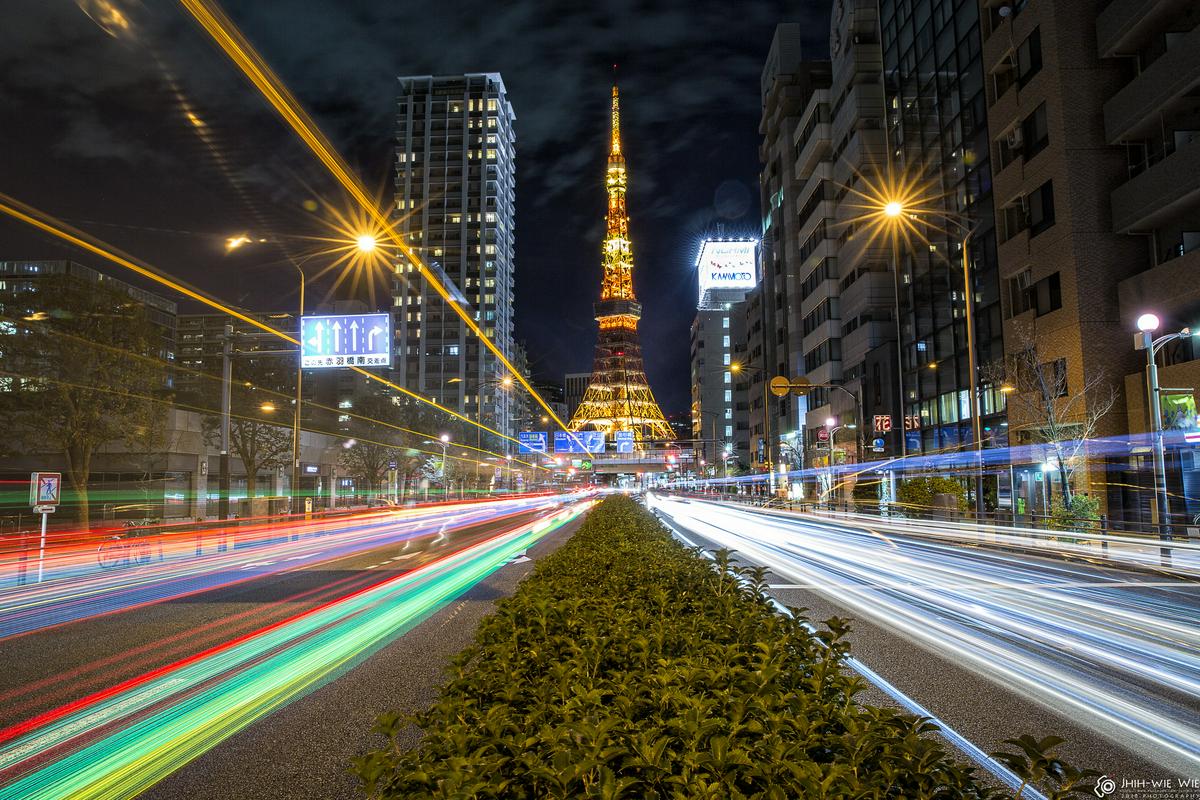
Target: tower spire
(618,397)
(616,121)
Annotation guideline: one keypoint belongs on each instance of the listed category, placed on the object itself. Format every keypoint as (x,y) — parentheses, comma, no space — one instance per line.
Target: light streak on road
(1117,652)
(120,741)
(184,563)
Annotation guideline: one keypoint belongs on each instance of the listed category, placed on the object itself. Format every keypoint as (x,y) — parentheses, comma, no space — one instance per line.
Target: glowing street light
(366,243)
(1147,323)
(268,407)
(893,208)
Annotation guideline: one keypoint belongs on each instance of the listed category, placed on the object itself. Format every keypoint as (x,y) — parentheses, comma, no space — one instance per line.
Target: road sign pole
(226,383)
(42,548)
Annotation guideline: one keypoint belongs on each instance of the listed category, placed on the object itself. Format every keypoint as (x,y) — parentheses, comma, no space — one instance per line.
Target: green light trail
(226,691)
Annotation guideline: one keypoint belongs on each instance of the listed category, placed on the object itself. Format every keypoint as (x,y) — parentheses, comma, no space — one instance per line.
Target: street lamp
(736,368)
(894,209)
(1147,324)
(366,243)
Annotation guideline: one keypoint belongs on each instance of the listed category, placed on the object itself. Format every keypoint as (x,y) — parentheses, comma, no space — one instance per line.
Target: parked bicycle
(118,551)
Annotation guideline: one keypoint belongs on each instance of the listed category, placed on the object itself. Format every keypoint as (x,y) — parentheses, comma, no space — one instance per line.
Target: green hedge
(628,666)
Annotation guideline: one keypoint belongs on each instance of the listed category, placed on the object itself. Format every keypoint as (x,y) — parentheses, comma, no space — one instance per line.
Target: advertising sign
(1178,411)
(592,441)
(727,265)
(624,441)
(883,423)
(347,340)
(532,442)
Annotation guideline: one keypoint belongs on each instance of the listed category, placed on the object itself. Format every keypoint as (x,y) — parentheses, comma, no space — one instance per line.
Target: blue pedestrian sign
(532,442)
(877,444)
(346,340)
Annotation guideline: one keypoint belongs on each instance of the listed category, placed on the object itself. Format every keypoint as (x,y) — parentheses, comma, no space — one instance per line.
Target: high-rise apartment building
(1096,151)
(454,204)
(774,319)
(727,270)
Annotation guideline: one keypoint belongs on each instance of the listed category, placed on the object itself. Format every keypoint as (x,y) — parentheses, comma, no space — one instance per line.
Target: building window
(1054,375)
(1041,208)
(1029,57)
(1035,132)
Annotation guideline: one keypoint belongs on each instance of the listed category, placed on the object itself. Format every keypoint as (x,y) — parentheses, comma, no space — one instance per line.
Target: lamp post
(299,395)
(769,448)
(893,210)
(1147,324)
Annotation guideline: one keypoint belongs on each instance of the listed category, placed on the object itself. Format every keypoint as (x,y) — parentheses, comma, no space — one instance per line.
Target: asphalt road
(995,644)
(302,745)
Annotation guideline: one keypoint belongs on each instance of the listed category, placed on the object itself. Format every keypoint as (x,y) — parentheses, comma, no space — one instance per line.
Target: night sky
(94,129)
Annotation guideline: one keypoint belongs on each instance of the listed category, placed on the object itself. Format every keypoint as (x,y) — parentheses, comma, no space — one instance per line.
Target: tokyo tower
(618,396)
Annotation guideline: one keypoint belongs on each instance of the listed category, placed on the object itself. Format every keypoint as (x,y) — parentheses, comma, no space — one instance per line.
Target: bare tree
(259,386)
(1049,411)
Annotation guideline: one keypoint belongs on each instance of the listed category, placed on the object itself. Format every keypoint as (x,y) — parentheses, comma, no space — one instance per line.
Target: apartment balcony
(829,329)
(1161,192)
(865,338)
(821,292)
(1134,112)
(814,150)
(1169,290)
(1013,254)
(1125,25)
(875,290)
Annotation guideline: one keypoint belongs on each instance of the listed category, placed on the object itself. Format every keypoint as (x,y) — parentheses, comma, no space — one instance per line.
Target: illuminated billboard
(346,340)
(726,264)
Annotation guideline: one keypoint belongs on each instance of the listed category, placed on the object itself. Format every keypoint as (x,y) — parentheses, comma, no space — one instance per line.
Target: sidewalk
(1117,550)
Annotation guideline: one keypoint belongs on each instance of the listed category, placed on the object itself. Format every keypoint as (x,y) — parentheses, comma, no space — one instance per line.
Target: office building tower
(454,204)
(936,124)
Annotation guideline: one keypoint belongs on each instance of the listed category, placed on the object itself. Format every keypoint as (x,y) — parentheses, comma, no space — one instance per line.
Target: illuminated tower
(618,397)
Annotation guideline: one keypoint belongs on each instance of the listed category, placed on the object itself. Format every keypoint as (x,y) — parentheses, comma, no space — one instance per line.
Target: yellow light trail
(43,222)
(239,50)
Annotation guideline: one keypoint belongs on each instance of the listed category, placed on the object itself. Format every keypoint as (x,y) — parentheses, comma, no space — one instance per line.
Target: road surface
(993,642)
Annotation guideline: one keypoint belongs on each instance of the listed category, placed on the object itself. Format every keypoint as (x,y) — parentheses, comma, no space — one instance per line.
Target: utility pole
(226,381)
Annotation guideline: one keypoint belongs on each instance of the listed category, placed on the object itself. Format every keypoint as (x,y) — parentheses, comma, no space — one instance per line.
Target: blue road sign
(346,340)
(532,442)
(877,444)
(592,441)
(624,441)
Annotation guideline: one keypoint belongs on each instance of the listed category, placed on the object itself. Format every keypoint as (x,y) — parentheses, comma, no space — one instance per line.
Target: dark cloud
(116,110)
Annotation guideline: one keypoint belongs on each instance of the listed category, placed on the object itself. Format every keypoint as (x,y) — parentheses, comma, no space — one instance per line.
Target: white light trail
(1117,655)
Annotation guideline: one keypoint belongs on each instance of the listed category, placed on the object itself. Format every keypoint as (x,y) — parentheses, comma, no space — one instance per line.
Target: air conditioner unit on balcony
(1014,139)
(1024,279)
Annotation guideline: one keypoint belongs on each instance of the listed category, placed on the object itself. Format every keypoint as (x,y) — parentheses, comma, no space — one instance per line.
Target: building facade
(574,386)
(773,311)
(720,413)
(454,204)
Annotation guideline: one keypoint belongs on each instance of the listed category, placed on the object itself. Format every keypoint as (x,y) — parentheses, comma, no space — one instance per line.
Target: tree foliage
(82,372)
(919,493)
